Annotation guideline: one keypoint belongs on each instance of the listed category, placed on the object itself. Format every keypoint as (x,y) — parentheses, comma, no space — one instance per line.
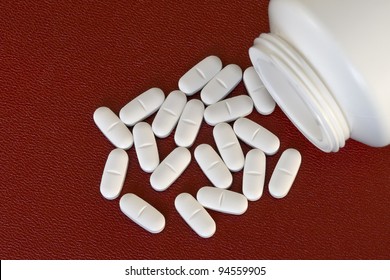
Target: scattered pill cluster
(214,84)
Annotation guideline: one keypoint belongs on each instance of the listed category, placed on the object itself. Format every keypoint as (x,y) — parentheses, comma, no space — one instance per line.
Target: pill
(199,75)
(142,106)
(213,166)
(222,84)
(114,174)
(145,147)
(224,201)
(254,175)
(284,173)
(113,128)
(256,136)
(228,146)
(189,123)
(170,169)
(263,101)
(169,113)
(142,213)
(228,110)
(195,215)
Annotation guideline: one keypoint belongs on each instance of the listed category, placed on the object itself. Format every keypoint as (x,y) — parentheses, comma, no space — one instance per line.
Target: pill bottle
(327,65)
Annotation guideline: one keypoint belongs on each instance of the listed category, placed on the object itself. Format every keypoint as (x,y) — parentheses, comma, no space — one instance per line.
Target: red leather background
(60,61)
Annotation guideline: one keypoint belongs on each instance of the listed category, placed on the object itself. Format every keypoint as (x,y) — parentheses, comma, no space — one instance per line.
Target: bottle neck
(299,92)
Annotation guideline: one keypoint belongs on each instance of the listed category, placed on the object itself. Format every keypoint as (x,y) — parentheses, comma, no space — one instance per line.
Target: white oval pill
(113,128)
(222,84)
(213,166)
(228,110)
(222,200)
(284,173)
(142,106)
(199,75)
(256,136)
(263,101)
(142,213)
(189,123)
(254,175)
(145,147)
(195,215)
(114,174)
(228,146)
(170,169)
(169,113)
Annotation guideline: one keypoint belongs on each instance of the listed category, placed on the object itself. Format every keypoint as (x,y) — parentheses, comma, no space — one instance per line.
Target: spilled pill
(228,110)
(228,146)
(222,84)
(170,169)
(145,147)
(284,173)
(142,106)
(256,136)
(114,174)
(169,113)
(199,75)
(224,201)
(254,174)
(142,213)
(213,166)
(195,215)
(113,128)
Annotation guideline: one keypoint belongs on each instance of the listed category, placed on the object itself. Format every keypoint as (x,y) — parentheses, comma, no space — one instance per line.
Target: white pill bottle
(327,65)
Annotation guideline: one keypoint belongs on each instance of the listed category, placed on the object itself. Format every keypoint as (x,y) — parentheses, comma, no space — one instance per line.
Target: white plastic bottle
(327,65)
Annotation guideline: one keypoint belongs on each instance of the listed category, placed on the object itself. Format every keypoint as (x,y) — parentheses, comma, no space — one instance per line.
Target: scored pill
(263,101)
(113,128)
(195,215)
(228,146)
(256,136)
(224,201)
(189,123)
(254,174)
(142,106)
(170,169)
(284,173)
(114,174)
(228,110)
(213,166)
(222,84)
(199,75)
(145,147)
(142,213)
(169,113)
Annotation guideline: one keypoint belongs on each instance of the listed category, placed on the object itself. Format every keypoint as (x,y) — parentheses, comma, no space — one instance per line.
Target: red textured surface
(60,61)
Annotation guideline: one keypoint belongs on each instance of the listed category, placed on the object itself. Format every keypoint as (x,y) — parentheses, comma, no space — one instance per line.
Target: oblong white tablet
(199,75)
(189,123)
(170,169)
(114,174)
(254,175)
(213,166)
(284,173)
(264,103)
(228,146)
(142,106)
(228,110)
(222,84)
(256,136)
(145,147)
(222,200)
(113,128)
(169,113)
(195,215)
(142,213)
